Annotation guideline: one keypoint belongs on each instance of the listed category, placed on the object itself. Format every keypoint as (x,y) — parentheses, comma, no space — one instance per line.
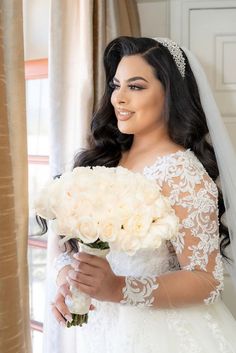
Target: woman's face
(138,97)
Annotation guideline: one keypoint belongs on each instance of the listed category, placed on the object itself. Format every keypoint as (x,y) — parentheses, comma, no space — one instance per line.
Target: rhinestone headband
(176,53)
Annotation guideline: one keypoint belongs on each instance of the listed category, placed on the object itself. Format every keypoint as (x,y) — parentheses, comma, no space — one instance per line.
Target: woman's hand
(93,275)
(59,308)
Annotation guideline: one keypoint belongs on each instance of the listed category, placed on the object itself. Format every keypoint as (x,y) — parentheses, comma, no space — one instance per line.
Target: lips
(123,114)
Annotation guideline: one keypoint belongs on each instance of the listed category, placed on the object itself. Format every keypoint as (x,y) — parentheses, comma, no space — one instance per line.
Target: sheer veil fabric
(225,154)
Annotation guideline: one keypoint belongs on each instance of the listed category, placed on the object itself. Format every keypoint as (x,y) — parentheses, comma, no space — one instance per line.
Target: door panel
(212,37)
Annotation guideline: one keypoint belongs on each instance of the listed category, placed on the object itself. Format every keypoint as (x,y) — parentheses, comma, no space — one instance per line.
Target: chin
(125,129)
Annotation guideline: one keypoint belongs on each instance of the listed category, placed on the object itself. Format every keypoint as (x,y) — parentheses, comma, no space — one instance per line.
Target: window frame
(34,70)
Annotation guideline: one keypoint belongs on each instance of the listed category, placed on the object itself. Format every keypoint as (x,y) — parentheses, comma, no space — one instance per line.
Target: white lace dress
(203,325)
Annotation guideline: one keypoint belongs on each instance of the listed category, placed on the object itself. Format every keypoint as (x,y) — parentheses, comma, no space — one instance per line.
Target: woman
(151,120)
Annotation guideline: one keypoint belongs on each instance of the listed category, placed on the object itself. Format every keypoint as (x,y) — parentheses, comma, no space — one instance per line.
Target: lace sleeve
(194,197)
(62,260)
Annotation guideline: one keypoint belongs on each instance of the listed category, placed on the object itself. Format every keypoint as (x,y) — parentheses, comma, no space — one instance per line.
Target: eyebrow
(135,78)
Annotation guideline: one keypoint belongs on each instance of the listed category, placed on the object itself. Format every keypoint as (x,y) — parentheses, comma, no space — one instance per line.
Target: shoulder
(181,172)
(173,164)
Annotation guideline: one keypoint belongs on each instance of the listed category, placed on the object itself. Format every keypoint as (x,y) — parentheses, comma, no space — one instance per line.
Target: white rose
(173,223)
(139,223)
(161,207)
(46,199)
(108,229)
(62,227)
(166,228)
(85,228)
(128,243)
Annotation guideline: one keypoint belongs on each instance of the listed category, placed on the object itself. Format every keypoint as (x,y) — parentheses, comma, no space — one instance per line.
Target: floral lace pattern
(139,292)
(194,196)
(64,259)
(219,275)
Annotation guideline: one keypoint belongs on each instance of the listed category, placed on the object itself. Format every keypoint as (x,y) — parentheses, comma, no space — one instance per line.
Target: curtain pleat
(14,293)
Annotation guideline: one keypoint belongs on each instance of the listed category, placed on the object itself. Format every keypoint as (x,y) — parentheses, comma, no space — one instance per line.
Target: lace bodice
(195,251)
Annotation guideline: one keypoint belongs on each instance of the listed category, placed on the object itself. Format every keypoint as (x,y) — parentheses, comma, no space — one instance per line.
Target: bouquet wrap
(81,302)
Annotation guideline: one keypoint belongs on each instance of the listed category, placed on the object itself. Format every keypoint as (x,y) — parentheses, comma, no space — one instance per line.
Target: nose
(120,97)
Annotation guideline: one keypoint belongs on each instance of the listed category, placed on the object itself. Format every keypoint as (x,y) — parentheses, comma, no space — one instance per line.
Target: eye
(135,87)
(113,86)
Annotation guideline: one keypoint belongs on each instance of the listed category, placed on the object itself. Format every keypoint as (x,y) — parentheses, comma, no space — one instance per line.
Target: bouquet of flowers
(106,208)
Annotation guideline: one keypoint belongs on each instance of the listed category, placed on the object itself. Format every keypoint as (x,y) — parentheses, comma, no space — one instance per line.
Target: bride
(151,120)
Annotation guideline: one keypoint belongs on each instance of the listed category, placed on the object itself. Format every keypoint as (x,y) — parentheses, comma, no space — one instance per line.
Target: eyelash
(132,87)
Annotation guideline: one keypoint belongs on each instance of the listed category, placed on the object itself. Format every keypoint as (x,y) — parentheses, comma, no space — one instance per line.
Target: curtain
(79,32)
(14,301)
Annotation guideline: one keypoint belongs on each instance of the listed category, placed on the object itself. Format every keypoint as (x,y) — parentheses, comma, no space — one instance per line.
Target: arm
(200,279)
(62,264)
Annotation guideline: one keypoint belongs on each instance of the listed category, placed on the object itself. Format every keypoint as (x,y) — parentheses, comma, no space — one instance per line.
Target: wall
(154,20)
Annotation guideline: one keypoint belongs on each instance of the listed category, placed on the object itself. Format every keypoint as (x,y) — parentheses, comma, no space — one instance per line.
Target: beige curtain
(14,301)
(80,30)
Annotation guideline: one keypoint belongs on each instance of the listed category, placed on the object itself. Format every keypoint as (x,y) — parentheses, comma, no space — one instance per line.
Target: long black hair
(185,118)
(184,114)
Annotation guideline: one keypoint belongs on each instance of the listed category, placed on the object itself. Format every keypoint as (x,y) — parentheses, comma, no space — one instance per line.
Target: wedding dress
(205,326)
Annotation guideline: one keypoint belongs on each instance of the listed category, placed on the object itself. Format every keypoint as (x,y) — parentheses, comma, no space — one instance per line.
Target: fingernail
(62,323)
(68,318)
(76,256)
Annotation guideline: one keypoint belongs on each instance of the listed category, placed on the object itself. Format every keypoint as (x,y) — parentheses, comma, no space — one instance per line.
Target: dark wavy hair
(185,118)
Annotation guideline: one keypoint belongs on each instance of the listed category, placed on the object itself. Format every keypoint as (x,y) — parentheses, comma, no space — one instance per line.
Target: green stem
(78,320)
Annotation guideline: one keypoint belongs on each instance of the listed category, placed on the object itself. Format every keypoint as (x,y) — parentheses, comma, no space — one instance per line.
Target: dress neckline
(159,158)
(165,157)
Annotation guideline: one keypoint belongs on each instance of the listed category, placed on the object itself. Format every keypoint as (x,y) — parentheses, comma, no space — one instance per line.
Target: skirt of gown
(116,328)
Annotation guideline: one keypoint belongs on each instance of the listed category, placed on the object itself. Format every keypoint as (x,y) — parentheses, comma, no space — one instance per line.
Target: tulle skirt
(115,328)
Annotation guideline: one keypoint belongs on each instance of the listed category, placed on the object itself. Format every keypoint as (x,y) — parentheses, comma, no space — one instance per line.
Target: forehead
(134,65)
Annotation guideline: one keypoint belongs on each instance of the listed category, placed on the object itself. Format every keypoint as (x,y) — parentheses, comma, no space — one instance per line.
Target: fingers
(65,290)
(92,307)
(90,259)
(58,316)
(84,268)
(91,291)
(59,308)
(75,276)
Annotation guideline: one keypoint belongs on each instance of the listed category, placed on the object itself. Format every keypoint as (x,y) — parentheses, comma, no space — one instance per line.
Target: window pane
(38,176)
(37,116)
(37,341)
(37,275)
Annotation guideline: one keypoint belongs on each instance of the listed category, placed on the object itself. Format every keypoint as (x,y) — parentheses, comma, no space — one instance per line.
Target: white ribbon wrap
(81,302)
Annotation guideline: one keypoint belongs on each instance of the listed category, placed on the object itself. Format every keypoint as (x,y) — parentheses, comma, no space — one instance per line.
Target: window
(37,95)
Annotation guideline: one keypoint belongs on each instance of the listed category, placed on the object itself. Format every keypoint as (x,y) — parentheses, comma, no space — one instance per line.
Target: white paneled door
(208,29)
(212,37)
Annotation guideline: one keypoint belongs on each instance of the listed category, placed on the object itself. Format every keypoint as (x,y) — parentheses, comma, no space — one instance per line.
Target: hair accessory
(176,53)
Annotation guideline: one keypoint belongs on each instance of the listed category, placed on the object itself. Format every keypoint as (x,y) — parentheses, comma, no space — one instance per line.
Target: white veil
(224,151)
(225,154)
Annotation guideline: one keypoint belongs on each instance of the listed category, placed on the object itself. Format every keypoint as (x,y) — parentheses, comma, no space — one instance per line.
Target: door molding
(180,15)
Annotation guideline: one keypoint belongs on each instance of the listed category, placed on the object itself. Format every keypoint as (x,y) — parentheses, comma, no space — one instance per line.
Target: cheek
(112,99)
(152,108)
